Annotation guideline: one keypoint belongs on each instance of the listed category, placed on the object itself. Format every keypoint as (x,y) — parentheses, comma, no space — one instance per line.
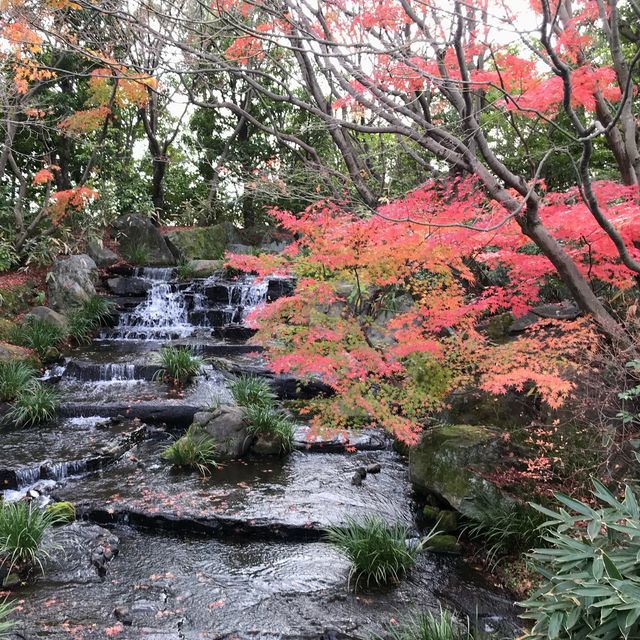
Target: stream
(161,555)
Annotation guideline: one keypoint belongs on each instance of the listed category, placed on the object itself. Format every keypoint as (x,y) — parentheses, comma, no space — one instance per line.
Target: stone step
(54,452)
(290,498)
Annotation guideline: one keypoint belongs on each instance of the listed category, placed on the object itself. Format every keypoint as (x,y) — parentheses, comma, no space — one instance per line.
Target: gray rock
(373,468)
(71,282)
(129,286)
(451,463)
(135,231)
(565,310)
(102,256)
(227,427)
(264,446)
(48,315)
(245,249)
(204,268)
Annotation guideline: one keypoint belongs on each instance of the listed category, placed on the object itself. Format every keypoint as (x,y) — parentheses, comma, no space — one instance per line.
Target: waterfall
(117,371)
(163,315)
(26,476)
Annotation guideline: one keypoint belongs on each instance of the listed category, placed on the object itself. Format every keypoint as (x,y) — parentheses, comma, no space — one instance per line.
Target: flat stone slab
(295,497)
(364,440)
(53,452)
(170,588)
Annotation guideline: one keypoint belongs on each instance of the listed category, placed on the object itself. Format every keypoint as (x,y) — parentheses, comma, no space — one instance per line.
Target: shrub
(6,625)
(378,551)
(507,527)
(37,404)
(427,626)
(249,391)
(196,449)
(15,377)
(38,335)
(22,529)
(179,365)
(137,254)
(271,423)
(591,572)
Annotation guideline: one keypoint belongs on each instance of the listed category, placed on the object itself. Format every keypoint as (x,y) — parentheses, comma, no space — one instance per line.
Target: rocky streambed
(160,554)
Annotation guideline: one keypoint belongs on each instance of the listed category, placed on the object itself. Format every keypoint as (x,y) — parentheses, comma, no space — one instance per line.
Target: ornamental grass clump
(179,365)
(196,449)
(15,378)
(6,624)
(591,571)
(39,335)
(378,551)
(507,527)
(429,626)
(23,526)
(34,405)
(251,391)
(93,313)
(270,423)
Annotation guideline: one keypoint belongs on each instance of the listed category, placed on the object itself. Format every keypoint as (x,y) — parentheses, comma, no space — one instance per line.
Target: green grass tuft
(38,335)
(137,254)
(507,527)
(184,270)
(179,365)
(196,449)
(22,529)
(15,378)
(250,391)
(271,423)
(378,551)
(84,321)
(429,626)
(36,404)
(6,624)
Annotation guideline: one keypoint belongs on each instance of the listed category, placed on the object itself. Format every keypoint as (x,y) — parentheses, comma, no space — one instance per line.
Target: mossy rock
(450,463)
(498,327)
(443,543)
(203,243)
(7,327)
(16,299)
(65,512)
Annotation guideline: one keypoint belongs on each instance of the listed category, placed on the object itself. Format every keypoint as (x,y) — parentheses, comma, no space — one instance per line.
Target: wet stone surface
(281,498)
(162,587)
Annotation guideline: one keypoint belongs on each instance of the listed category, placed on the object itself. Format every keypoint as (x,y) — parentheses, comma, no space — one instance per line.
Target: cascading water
(163,315)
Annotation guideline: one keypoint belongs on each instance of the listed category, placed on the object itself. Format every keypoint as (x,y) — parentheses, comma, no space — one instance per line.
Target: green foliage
(378,551)
(6,625)
(427,626)
(591,573)
(8,257)
(196,449)
(137,254)
(22,529)
(632,394)
(64,512)
(507,527)
(179,365)
(39,335)
(184,270)
(249,391)
(15,378)
(37,404)
(271,423)
(83,322)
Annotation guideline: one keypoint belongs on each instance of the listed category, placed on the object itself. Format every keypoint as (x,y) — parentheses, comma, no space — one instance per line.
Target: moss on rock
(203,243)
(450,463)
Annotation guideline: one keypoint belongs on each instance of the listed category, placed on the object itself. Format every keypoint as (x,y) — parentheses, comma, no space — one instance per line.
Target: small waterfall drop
(163,315)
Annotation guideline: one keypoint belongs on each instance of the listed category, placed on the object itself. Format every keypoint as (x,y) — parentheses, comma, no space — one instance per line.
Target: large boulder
(48,315)
(228,428)
(132,286)
(13,353)
(203,243)
(102,256)
(71,282)
(135,232)
(451,463)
